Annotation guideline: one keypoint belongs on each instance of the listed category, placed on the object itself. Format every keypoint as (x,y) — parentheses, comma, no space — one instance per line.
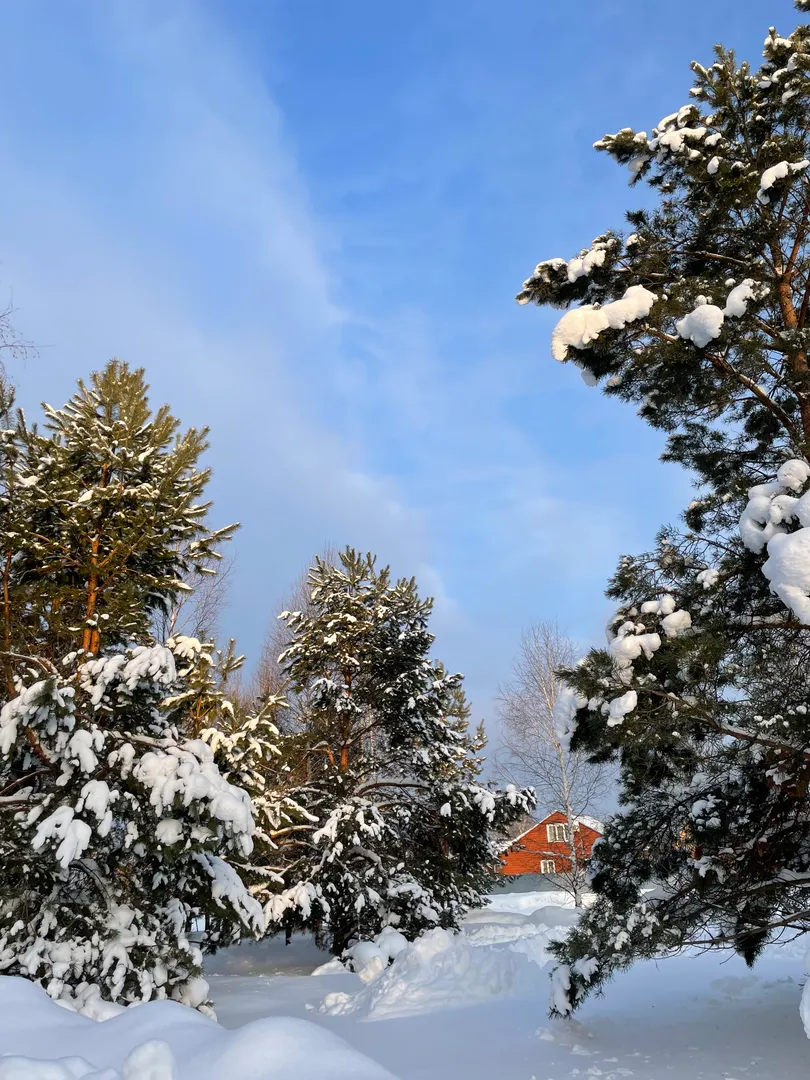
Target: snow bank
(440,970)
(529,935)
(447,970)
(550,900)
(163,1040)
(498,927)
(368,959)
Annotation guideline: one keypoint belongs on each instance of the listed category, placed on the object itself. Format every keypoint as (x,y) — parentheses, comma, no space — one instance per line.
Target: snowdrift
(162,1040)
(440,970)
(497,953)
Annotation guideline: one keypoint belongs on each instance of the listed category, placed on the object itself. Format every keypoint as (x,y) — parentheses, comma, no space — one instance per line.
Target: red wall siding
(526,854)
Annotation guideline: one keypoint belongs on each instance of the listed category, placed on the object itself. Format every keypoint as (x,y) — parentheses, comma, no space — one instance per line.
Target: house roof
(580,819)
(591,823)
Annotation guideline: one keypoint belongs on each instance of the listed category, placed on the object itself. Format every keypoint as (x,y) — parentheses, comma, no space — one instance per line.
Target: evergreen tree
(115,832)
(384,760)
(699,317)
(246,747)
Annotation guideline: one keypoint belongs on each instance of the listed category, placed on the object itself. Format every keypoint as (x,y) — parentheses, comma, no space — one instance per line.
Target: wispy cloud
(208,267)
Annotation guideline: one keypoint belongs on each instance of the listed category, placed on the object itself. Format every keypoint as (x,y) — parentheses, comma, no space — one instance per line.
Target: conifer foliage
(247,746)
(699,316)
(115,831)
(383,758)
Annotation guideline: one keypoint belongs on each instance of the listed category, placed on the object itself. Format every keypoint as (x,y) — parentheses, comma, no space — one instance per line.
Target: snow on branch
(771,510)
(580,326)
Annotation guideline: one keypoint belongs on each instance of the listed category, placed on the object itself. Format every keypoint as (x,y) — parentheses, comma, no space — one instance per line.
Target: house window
(547,866)
(556,834)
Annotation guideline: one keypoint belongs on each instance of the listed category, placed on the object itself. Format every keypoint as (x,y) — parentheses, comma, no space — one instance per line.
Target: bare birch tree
(12,347)
(532,754)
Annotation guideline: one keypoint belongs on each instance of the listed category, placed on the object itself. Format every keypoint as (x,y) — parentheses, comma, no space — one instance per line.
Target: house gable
(534,850)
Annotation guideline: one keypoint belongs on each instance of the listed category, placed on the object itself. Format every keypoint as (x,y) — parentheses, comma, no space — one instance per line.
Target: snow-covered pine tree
(384,757)
(115,832)
(459,712)
(246,749)
(700,317)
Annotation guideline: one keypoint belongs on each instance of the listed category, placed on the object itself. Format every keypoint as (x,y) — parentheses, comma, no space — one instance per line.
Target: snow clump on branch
(780,171)
(764,524)
(580,326)
(705,322)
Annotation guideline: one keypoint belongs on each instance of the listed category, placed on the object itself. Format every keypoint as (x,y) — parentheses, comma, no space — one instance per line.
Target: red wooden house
(544,849)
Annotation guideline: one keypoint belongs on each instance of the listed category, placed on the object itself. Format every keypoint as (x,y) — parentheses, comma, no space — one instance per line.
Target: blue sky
(308,222)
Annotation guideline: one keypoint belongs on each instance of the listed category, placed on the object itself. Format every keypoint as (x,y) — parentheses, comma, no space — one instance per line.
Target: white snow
(763,525)
(169,831)
(368,959)
(576,268)
(678,622)
(164,1041)
(580,326)
(760,519)
(582,265)
(701,325)
(588,377)
(682,1018)
(227,885)
(708,578)
(74,835)
(462,1007)
(665,606)
(778,172)
(590,823)
(788,570)
(628,645)
(705,322)
(564,712)
(619,707)
(793,474)
(673,139)
(737,300)
(441,969)
(150,1061)
(189,772)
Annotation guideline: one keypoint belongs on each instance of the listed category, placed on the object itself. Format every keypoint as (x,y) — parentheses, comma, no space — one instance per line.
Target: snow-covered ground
(466,1007)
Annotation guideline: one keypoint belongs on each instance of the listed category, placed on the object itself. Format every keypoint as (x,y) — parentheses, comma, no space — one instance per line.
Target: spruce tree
(698,316)
(115,831)
(383,759)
